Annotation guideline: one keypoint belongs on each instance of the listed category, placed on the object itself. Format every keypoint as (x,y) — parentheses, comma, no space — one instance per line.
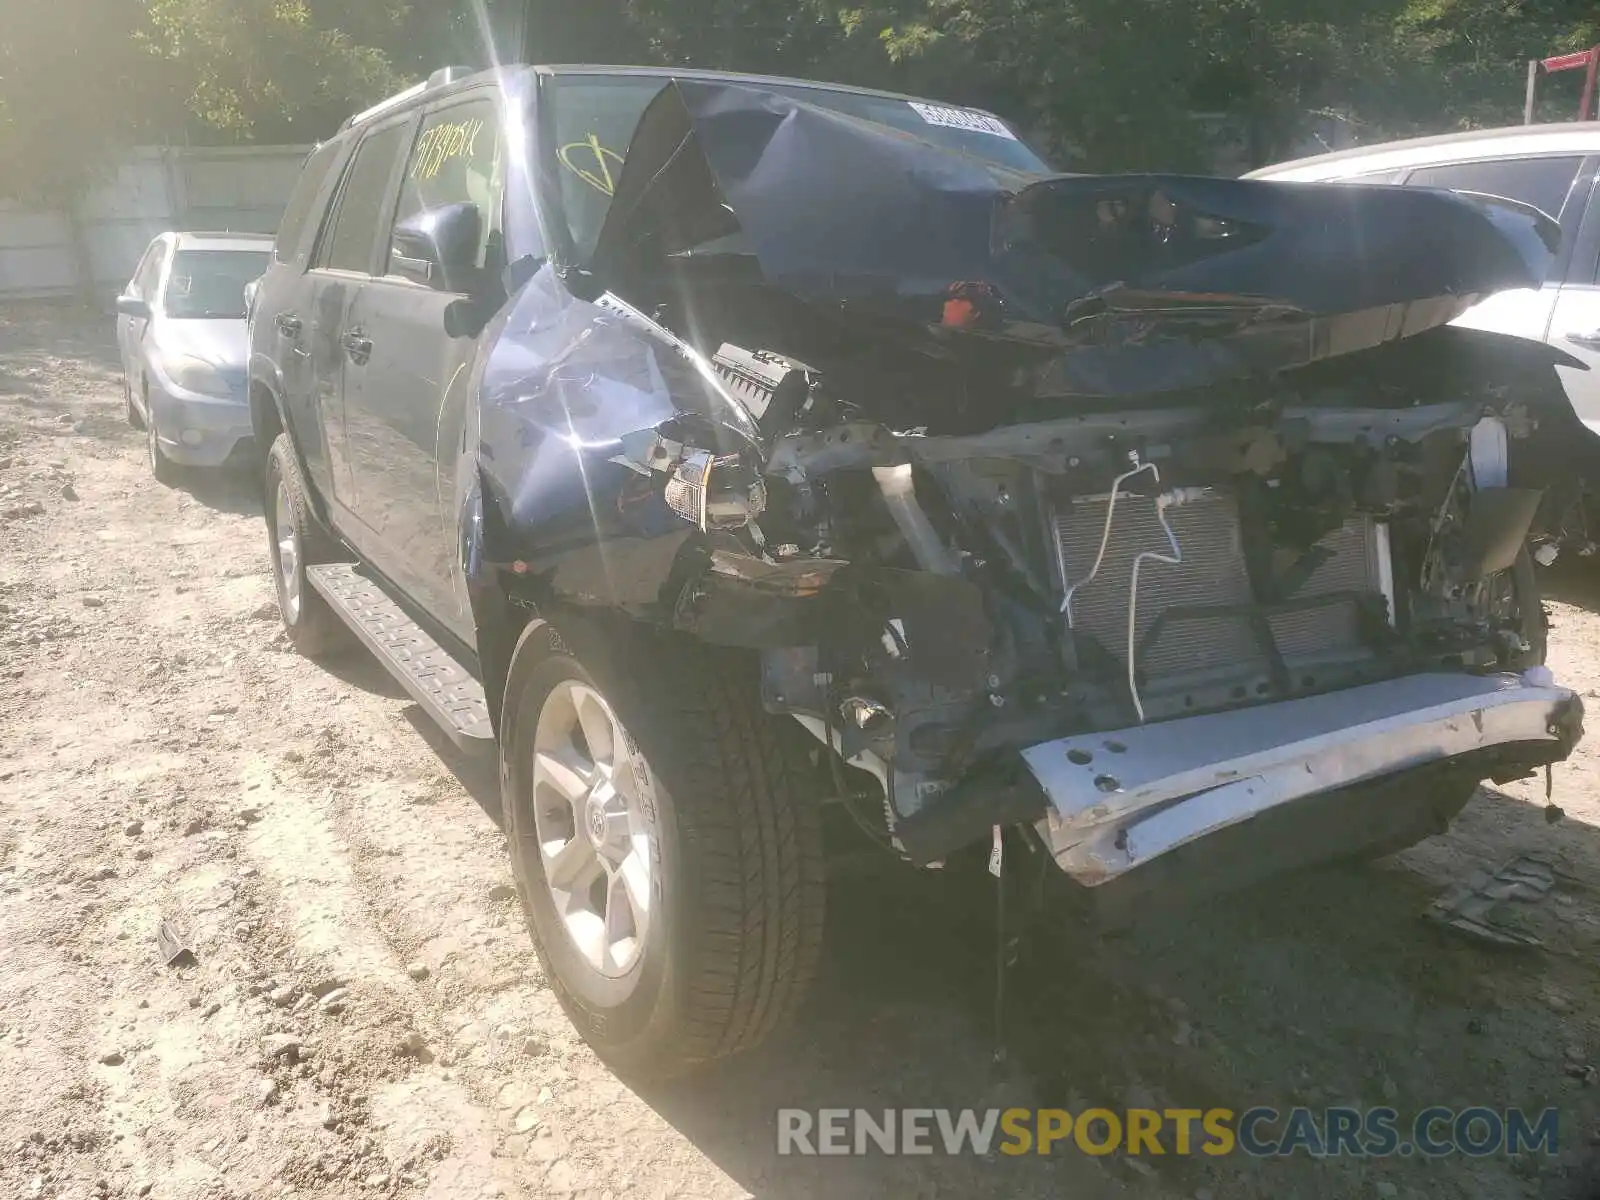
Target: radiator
(1212,574)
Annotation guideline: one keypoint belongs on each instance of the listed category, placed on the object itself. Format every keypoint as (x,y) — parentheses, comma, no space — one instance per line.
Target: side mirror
(250,290)
(132,306)
(439,247)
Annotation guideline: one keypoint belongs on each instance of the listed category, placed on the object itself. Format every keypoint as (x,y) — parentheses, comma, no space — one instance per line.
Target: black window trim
(330,214)
(327,188)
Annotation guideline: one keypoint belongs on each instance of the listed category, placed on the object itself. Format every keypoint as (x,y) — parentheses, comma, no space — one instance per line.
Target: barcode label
(961,118)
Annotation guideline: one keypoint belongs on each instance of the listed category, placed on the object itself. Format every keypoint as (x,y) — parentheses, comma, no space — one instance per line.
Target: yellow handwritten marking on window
(598,175)
(445,143)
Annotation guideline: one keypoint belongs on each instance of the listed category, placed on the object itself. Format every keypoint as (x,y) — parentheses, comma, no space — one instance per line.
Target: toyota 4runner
(719,450)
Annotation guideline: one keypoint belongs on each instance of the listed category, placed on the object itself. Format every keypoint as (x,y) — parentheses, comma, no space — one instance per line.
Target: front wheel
(135,420)
(666,843)
(166,471)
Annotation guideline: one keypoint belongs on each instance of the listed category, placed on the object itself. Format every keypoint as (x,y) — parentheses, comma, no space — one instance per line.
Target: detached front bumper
(1120,799)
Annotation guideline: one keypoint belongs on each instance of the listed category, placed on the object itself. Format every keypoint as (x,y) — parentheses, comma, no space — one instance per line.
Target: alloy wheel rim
(288,553)
(595,823)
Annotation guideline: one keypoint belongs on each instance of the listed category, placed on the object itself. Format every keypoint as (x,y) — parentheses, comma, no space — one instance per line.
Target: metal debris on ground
(1472,907)
(175,951)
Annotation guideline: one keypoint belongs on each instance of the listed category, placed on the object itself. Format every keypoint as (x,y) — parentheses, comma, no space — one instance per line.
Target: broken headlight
(715,493)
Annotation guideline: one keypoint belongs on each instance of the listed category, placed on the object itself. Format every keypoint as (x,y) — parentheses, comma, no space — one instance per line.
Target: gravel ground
(363,1015)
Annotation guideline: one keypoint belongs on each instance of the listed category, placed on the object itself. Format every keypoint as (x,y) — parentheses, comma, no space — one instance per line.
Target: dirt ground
(363,1015)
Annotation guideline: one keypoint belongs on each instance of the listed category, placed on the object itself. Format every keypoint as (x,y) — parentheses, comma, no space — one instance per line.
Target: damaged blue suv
(721,452)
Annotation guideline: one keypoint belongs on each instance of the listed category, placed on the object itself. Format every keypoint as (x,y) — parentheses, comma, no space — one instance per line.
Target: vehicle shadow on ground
(478,774)
(224,489)
(1573,580)
(1323,989)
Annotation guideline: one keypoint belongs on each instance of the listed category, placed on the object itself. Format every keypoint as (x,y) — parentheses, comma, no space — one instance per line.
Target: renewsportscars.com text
(1260,1132)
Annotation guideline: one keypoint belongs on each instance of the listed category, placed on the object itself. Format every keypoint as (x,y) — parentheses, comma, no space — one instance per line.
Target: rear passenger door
(406,422)
(279,339)
(1551,183)
(341,265)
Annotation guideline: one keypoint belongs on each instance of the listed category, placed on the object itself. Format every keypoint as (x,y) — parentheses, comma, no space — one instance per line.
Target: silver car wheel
(594,816)
(288,538)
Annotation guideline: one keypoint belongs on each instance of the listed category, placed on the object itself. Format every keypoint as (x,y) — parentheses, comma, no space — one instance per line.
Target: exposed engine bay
(933,605)
(1138,508)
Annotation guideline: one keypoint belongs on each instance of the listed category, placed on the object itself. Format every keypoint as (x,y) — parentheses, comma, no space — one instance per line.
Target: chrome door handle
(287,324)
(1589,341)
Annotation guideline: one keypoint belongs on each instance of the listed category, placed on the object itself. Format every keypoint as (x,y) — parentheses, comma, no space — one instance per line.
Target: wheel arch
(269,417)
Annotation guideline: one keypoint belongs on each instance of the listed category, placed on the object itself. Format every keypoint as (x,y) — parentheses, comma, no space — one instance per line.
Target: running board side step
(441,686)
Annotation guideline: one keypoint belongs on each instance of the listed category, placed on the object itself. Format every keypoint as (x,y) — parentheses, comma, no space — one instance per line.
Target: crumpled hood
(1136,283)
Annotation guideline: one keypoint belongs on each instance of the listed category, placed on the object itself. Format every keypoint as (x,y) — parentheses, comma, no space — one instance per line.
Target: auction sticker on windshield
(961,118)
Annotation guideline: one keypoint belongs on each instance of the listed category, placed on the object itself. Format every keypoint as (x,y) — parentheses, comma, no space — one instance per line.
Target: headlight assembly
(196,375)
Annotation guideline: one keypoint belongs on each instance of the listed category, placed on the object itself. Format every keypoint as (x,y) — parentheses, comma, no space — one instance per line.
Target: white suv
(1553,168)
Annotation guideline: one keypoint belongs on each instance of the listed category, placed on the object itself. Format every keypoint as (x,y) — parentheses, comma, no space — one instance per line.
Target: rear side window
(302,198)
(456,159)
(1541,182)
(363,201)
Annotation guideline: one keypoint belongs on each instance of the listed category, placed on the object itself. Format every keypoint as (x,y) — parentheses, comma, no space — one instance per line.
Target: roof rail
(441,77)
(446,75)
(383,106)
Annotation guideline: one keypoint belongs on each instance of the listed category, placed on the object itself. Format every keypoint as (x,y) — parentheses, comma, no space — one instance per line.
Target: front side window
(347,244)
(1541,182)
(457,159)
(148,271)
(595,116)
(209,284)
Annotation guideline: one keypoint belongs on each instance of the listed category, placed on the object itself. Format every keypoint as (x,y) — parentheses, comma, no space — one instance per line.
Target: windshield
(209,284)
(595,116)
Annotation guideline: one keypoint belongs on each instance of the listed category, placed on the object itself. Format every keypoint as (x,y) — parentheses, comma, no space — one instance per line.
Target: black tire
(738,899)
(135,421)
(312,626)
(167,473)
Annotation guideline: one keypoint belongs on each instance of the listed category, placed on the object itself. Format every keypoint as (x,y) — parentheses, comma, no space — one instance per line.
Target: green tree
(270,70)
(76,83)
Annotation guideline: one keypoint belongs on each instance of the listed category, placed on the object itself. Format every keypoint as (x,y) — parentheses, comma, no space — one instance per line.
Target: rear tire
(296,541)
(734,866)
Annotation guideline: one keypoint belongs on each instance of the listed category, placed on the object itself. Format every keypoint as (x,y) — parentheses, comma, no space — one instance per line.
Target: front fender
(269,416)
(568,515)
(266,400)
